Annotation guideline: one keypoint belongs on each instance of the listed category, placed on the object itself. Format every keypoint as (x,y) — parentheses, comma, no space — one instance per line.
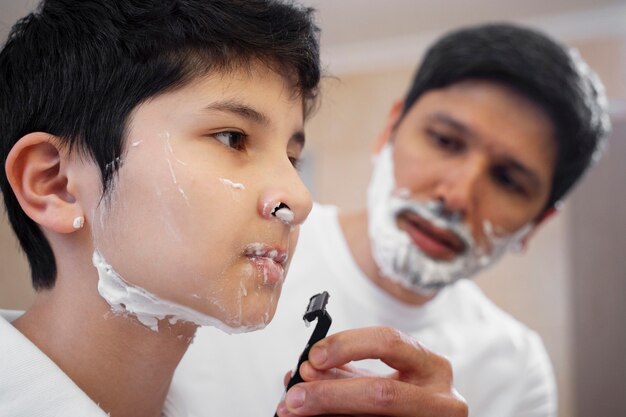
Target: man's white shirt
(500,366)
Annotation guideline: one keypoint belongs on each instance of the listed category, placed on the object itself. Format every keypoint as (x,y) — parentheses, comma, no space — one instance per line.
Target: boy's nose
(285,199)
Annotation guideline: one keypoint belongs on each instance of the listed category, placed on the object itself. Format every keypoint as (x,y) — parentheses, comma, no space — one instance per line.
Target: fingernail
(295,397)
(318,355)
(307,371)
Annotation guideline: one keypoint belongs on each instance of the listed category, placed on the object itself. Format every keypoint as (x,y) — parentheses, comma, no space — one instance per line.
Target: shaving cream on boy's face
(181,236)
(437,248)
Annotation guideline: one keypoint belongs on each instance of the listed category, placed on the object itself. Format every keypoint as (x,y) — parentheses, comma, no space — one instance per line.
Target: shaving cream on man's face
(400,259)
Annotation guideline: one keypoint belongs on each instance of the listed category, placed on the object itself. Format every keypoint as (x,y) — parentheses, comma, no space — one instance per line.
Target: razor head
(316,307)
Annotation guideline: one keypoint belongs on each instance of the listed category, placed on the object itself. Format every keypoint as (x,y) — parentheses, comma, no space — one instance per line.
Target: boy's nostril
(278,207)
(283,213)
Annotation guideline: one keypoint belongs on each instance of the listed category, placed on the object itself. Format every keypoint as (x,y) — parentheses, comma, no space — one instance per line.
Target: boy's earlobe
(392,120)
(34,169)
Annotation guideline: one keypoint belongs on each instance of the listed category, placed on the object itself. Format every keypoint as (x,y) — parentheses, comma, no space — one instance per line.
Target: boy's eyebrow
(247,112)
(241,109)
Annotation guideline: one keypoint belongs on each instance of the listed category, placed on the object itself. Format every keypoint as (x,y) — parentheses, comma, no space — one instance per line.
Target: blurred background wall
(570,285)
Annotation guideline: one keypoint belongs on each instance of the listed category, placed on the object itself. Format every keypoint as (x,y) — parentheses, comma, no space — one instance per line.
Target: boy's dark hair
(77,69)
(543,70)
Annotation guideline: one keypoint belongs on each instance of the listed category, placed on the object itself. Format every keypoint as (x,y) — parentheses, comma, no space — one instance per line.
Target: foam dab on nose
(285,215)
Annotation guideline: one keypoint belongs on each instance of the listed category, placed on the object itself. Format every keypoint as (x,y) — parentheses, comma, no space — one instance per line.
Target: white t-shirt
(32,385)
(500,366)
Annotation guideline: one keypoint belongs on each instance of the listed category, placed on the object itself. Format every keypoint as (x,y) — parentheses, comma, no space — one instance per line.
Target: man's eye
(445,142)
(232,139)
(506,181)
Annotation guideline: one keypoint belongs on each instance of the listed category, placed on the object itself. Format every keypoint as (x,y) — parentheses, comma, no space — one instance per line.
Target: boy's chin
(251,315)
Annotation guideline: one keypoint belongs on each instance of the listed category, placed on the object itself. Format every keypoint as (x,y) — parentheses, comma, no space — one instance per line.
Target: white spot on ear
(78,222)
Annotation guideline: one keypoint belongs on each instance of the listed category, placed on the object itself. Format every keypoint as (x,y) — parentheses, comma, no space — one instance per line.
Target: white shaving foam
(232,184)
(396,255)
(169,152)
(285,215)
(256,249)
(127,299)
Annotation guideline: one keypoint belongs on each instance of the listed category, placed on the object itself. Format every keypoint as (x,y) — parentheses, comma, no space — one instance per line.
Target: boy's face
(480,156)
(189,217)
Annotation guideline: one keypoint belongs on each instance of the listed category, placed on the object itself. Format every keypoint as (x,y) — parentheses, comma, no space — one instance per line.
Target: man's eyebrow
(529,173)
(241,109)
(451,122)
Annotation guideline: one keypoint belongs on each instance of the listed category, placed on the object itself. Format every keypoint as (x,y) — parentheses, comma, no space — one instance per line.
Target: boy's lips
(437,243)
(270,260)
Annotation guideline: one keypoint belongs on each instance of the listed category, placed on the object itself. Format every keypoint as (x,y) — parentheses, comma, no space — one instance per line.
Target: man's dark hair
(548,73)
(76,69)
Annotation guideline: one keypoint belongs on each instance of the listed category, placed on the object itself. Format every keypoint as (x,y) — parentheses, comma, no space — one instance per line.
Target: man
(497,126)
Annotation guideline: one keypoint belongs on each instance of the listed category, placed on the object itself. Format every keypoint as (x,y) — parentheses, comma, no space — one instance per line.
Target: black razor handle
(315,310)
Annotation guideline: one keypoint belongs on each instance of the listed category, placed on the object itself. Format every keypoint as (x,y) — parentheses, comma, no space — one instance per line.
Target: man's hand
(421,385)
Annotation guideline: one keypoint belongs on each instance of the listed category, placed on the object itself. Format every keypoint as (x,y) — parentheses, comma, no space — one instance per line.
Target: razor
(315,310)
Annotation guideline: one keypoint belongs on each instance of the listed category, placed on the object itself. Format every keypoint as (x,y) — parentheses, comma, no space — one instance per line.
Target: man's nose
(459,188)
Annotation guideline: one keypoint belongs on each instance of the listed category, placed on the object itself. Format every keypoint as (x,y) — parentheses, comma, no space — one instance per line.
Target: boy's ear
(392,120)
(35,169)
(541,220)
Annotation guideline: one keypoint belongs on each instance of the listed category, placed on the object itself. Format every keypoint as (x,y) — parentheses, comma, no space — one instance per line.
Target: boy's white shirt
(31,384)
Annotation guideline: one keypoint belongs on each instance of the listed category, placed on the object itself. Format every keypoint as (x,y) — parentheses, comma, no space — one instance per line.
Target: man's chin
(433,274)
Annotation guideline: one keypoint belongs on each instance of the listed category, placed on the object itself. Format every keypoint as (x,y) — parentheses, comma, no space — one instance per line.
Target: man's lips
(270,260)
(435,242)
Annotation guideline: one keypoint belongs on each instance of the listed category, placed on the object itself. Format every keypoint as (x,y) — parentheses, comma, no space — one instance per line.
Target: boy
(149,151)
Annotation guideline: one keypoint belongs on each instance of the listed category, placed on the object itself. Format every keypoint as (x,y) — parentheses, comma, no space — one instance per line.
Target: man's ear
(35,169)
(540,221)
(390,125)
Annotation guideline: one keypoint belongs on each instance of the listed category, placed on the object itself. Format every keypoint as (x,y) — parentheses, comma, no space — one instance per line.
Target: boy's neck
(120,364)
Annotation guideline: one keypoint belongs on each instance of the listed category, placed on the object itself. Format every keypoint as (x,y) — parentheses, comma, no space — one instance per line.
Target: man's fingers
(420,387)
(371,397)
(309,373)
(391,346)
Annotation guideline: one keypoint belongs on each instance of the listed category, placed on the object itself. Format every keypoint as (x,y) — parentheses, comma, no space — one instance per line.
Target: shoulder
(488,331)
(500,353)
(474,308)
(33,385)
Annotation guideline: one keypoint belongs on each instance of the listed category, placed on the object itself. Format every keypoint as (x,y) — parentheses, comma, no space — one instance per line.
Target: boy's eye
(446,142)
(232,139)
